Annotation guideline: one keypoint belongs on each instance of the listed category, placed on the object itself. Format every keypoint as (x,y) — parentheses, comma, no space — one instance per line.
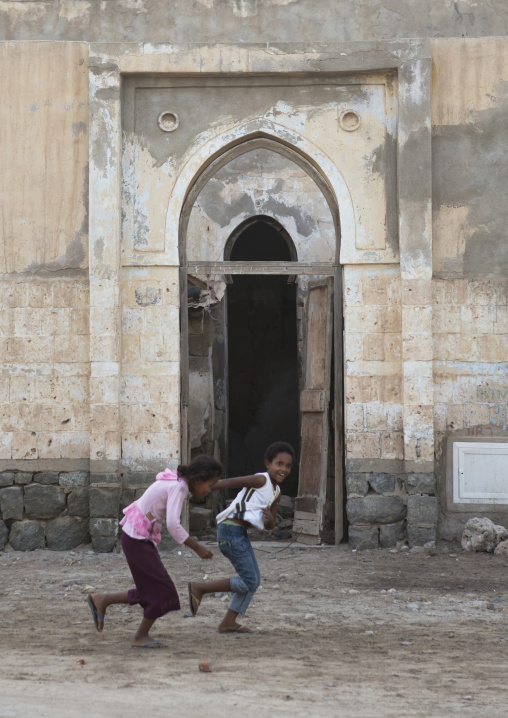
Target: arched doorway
(262,351)
(220,236)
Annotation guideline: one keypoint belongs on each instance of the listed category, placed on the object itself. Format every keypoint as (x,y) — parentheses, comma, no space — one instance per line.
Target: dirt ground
(336,633)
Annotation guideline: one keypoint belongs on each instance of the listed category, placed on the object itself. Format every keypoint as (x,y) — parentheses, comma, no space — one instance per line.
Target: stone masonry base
(60,510)
(384,509)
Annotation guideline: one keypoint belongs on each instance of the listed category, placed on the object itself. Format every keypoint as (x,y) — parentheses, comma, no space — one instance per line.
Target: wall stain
(79,128)
(470,170)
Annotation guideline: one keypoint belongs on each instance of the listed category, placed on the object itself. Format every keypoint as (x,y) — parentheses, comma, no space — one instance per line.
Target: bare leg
(103,600)
(199,588)
(229,624)
(142,639)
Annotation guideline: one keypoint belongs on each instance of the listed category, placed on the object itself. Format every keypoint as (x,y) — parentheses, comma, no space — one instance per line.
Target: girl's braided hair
(202,468)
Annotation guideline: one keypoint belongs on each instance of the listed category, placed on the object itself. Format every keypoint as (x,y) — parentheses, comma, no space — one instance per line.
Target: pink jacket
(163,500)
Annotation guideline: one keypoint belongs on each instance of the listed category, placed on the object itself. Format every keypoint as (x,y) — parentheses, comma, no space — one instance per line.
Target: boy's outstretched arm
(255,481)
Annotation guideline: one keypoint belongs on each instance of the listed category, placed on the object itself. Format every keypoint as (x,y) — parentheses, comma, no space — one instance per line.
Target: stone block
(357,484)
(287,506)
(78,501)
(420,535)
(22,478)
(46,478)
(382,483)
(4,534)
(11,503)
(127,497)
(139,478)
(361,539)
(66,532)
(103,544)
(375,509)
(44,502)
(103,527)
(104,478)
(104,501)
(420,484)
(104,533)
(200,519)
(421,510)
(389,534)
(27,536)
(6,478)
(74,478)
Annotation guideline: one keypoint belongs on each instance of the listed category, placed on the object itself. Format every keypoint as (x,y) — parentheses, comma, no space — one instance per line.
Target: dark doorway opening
(262,355)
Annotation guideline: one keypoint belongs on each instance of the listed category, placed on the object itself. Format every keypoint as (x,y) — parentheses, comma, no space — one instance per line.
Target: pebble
(412,607)
(275,586)
(72,582)
(392,590)
(406,643)
(204,667)
(353,590)
(309,615)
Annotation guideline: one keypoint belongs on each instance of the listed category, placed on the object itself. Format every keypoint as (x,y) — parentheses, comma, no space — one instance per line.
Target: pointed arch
(220,150)
(265,219)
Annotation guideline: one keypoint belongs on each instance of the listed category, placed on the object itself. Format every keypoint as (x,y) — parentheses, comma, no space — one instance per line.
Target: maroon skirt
(155,591)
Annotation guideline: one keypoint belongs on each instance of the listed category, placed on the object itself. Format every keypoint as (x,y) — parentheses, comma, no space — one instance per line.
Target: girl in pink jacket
(162,501)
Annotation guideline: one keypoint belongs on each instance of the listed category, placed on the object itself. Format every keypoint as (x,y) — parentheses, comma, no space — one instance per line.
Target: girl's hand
(268,518)
(203,552)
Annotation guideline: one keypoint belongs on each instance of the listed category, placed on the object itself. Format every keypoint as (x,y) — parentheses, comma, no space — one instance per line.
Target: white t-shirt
(248,504)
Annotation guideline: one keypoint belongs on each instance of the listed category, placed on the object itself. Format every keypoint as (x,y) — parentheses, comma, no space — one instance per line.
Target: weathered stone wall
(44,509)
(470,257)
(44,364)
(424,361)
(374,405)
(44,298)
(234,21)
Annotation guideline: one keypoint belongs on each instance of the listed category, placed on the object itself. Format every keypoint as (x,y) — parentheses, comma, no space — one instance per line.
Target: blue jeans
(234,544)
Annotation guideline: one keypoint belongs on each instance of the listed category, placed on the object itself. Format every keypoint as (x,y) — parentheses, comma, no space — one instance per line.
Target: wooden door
(314,407)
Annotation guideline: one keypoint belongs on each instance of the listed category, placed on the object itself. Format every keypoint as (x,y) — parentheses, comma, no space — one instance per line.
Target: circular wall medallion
(349,120)
(168,121)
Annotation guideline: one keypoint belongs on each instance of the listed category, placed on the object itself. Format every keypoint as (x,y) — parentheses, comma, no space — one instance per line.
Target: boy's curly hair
(279,447)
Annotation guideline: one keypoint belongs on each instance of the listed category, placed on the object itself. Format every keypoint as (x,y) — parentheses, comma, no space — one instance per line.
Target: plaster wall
(44,158)
(44,293)
(470,258)
(236,21)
